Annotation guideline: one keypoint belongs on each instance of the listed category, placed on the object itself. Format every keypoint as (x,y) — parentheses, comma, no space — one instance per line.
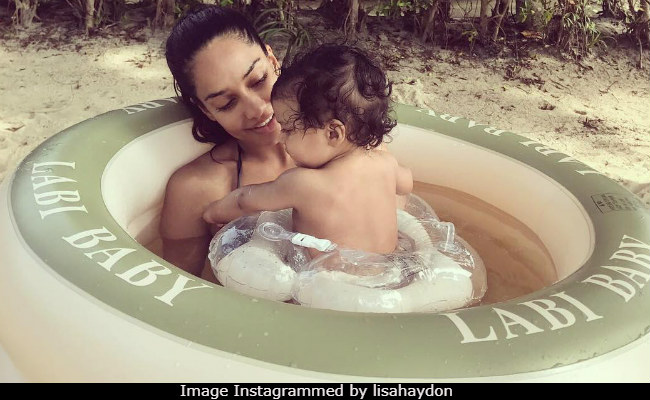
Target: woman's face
(233,80)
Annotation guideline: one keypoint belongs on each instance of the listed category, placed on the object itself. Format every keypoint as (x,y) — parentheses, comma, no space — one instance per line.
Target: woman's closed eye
(227,106)
(230,104)
(261,80)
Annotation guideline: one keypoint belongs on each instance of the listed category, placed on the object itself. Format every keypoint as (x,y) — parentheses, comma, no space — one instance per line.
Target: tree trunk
(334,10)
(429,20)
(164,13)
(519,5)
(501,8)
(645,20)
(114,9)
(25,12)
(352,19)
(345,14)
(89,14)
(484,21)
(444,10)
(613,9)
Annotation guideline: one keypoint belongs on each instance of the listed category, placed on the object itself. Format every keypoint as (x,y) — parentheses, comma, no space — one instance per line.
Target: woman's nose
(255,106)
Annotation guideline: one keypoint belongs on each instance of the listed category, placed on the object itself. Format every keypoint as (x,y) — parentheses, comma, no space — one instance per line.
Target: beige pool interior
(519,220)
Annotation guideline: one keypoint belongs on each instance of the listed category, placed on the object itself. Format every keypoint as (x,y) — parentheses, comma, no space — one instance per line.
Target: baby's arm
(404,180)
(270,196)
(224,210)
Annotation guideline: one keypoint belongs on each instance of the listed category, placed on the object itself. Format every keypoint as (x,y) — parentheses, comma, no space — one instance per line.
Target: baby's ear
(335,132)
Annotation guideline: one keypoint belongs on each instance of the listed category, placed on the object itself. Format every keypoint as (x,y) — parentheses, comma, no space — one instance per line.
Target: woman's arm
(188,254)
(185,235)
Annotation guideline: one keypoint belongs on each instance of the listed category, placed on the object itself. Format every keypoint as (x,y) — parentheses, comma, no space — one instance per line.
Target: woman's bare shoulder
(194,177)
(189,190)
(214,165)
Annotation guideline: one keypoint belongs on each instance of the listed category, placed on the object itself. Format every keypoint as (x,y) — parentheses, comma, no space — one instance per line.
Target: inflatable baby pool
(81,300)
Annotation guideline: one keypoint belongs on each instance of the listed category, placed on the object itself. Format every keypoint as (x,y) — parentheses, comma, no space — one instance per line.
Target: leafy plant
(571,28)
(539,10)
(280,20)
(393,8)
(183,6)
(420,14)
(471,36)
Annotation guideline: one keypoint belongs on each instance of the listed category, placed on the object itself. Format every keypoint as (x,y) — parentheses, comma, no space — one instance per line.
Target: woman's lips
(265,122)
(270,126)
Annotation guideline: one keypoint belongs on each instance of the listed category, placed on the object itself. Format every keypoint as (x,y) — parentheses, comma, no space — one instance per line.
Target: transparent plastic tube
(275,232)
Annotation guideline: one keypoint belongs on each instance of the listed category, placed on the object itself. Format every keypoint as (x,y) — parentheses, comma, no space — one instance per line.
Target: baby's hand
(224,210)
(208,214)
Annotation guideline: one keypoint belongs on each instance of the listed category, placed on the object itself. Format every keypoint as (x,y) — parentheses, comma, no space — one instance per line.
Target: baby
(332,104)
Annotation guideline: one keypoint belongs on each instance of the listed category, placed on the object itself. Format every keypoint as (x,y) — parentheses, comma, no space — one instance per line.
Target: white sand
(600,116)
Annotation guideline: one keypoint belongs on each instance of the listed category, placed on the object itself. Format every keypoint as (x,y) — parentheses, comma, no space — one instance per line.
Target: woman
(224,73)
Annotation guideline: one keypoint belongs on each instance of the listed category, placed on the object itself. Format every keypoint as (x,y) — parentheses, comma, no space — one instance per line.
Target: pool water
(516,260)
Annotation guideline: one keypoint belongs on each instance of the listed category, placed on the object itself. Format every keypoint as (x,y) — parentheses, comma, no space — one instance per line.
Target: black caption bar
(324,391)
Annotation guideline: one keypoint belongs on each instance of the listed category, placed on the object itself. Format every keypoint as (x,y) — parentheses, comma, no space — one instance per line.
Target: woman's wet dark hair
(190,34)
(342,82)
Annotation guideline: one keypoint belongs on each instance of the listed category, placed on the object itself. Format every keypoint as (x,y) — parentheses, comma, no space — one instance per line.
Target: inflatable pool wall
(79,292)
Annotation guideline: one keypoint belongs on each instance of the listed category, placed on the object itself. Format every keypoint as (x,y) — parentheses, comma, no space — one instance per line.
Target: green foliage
(637,22)
(470,35)
(392,8)
(279,20)
(418,15)
(543,12)
(566,24)
(614,9)
(571,28)
(400,8)
(582,25)
(183,6)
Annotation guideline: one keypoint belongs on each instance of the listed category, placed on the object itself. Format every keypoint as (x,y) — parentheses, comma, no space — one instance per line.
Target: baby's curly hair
(342,82)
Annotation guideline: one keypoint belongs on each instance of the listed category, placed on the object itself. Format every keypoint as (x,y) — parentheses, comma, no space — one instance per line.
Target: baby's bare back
(352,202)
